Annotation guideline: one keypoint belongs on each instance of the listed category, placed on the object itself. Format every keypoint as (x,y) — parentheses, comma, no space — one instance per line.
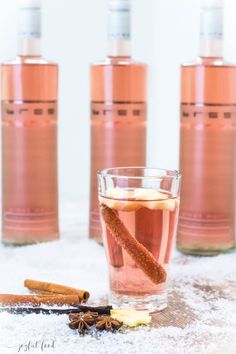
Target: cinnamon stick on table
(35,300)
(51,288)
(141,256)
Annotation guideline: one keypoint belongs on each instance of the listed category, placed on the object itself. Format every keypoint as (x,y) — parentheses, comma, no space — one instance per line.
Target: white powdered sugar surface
(79,262)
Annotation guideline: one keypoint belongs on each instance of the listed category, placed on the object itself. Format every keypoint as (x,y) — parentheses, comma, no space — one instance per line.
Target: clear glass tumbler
(139,212)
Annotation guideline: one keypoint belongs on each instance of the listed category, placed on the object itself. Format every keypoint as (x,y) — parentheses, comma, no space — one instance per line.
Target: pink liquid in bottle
(29,147)
(207,151)
(118,109)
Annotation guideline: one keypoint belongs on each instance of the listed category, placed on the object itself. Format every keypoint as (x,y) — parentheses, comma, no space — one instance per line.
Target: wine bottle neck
(29,29)
(119,28)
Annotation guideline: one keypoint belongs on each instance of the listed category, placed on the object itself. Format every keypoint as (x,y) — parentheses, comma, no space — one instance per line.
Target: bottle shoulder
(29,60)
(209,62)
(118,61)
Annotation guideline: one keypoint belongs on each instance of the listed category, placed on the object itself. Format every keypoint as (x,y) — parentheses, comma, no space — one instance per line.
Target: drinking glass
(139,212)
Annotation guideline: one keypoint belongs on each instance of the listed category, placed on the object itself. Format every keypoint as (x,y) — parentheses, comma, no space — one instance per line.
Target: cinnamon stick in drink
(35,300)
(141,256)
(51,288)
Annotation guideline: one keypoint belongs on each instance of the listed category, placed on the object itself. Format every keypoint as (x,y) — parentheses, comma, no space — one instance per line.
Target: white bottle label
(212,24)
(30,22)
(119,20)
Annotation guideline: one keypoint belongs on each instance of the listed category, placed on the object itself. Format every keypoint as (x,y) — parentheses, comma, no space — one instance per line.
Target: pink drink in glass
(151,218)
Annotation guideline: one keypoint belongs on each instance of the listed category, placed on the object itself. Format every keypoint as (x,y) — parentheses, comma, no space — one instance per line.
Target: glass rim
(109,172)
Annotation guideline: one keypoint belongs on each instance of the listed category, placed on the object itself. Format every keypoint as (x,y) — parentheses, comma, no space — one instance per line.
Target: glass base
(154,303)
(198,251)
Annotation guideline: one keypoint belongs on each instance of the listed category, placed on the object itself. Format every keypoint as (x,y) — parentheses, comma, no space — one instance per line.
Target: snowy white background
(165,34)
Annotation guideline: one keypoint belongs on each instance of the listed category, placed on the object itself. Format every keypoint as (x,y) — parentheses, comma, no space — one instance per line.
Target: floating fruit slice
(169,204)
(122,199)
(148,194)
(121,205)
(119,193)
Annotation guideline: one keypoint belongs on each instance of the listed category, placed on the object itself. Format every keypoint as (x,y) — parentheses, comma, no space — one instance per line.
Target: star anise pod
(82,321)
(108,323)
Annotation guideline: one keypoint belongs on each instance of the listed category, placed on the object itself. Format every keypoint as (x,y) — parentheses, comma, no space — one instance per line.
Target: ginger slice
(131,317)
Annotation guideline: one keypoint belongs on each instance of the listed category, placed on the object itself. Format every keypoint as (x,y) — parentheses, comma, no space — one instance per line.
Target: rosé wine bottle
(208,144)
(118,107)
(29,138)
